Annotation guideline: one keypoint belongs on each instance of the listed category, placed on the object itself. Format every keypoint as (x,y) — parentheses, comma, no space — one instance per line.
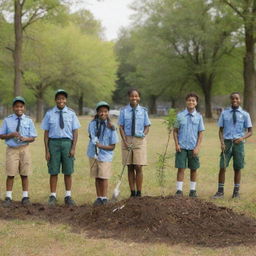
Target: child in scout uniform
(18,131)
(103,137)
(188,134)
(232,124)
(134,126)
(60,125)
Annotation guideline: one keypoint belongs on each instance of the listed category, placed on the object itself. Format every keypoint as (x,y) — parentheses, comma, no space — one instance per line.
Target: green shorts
(59,155)
(233,150)
(185,159)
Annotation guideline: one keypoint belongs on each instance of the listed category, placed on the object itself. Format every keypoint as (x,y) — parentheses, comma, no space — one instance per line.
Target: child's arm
(9,135)
(247,135)
(109,147)
(175,137)
(47,152)
(73,148)
(221,139)
(199,140)
(146,130)
(123,136)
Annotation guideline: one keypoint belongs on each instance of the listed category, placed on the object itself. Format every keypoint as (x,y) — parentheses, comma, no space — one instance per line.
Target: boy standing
(18,131)
(188,134)
(232,125)
(60,126)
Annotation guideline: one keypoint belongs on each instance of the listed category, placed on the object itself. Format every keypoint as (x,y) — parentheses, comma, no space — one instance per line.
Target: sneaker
(25,201)
(7,202)
(138,194)
(52,201)
(236,194)
(179,193)
(98,202)
(69,201)
(192,193)
(105,201)
(218,195)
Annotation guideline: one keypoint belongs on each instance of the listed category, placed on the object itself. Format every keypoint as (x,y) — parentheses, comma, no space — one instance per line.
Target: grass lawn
(19,237)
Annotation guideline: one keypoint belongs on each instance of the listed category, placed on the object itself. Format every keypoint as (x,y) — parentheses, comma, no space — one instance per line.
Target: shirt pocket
(25,129)
(195,123)
(52,122)
(128,119)
(68,121)
(239,125)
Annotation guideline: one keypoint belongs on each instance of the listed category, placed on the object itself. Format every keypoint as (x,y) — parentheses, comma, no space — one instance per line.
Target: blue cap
(18,98)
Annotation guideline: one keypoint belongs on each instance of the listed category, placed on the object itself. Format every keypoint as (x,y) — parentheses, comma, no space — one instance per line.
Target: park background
(169,49)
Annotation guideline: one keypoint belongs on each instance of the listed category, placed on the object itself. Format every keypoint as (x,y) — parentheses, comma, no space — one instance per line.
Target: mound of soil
(150,219)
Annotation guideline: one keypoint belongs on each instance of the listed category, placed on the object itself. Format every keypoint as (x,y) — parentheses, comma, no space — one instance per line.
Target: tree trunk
(208,103)
(249,74)
(17,55)
(80,104)
(152,104)
(39,109)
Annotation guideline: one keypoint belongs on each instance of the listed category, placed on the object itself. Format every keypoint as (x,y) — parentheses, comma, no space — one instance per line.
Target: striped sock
(221,187)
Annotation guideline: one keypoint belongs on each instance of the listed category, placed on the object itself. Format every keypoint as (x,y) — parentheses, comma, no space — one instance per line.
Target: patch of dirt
(149,219)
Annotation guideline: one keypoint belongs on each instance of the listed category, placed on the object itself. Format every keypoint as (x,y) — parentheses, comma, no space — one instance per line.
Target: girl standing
(134,126)
(103,137)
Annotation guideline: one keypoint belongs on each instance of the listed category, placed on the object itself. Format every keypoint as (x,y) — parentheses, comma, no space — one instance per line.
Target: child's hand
(98,145)
(223,147)
(47,156)
(195,151)
(72,152)
(178,149)
(21,138)
(238,140)
(14,134)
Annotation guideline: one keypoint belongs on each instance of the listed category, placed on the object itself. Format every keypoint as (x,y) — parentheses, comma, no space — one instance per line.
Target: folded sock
(179,185)
(221,187)
(53,194)
(9,194)
(24,194)
(192,185)
(68,193)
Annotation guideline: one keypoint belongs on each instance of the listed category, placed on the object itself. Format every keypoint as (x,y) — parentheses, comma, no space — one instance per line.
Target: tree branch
(234,8)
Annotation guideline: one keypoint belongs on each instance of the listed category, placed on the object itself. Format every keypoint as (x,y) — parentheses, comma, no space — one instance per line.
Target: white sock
(24,194)
(9,194)
(103,197)
(68,193)
(192,185)
(54,194)
(179,185)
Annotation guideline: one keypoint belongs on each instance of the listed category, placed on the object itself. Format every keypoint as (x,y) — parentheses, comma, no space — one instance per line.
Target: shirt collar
(238,109)
(188,113)
(63,110)
(21,117)
(130,108)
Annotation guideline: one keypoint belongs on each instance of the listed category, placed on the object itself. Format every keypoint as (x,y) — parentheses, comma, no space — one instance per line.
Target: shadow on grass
(171,220)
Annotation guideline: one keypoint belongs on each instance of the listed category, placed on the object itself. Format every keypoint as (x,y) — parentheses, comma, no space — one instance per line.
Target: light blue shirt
(189,125)
(27,129)
(107,137)
(233,131)
(51,123)
(141,120)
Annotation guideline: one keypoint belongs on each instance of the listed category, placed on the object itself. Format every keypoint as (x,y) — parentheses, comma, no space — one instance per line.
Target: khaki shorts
(138,156)
(99,169)
(18,161)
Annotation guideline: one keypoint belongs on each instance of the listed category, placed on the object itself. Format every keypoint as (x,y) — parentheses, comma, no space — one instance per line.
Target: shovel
(116,191)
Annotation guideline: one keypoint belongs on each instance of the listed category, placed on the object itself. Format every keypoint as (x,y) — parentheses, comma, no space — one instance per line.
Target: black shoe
(133,193)
(218,195)
(179,193)
(105,201)
(25,201)
(98,202)
(192,193)
(138,194)
(236,194)
(7,202)
(52,201)
(69,201)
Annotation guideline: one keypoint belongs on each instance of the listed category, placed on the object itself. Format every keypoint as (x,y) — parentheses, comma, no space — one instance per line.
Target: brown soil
(149,219)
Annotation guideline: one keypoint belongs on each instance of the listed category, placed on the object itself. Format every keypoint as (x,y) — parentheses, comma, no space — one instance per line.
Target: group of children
(60,125)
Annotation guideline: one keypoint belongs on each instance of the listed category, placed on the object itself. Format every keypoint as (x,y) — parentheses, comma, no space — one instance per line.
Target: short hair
(233,93)
(133,90)
(192,94)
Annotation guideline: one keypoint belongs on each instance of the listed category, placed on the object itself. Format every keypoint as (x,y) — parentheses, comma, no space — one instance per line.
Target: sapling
(169,122)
